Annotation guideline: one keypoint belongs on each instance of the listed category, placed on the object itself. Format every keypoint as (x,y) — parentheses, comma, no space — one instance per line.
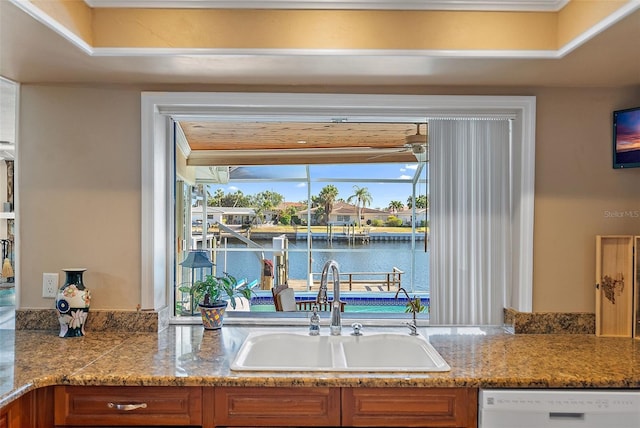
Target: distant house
(225,215)
(405,216)
(344,213)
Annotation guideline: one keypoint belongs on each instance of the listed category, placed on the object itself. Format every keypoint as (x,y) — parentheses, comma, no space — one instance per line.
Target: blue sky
(382,193)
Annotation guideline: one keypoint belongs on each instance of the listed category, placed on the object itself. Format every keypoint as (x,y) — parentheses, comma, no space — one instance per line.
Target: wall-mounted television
(626,138)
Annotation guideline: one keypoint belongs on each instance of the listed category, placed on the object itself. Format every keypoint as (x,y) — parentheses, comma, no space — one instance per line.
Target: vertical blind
(470,219)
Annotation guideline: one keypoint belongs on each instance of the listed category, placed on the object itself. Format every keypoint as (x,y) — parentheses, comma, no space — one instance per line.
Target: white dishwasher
(527,408)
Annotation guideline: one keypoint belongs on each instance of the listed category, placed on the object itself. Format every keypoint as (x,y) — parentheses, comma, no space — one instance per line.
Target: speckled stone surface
(550,322)
(98,320)
(150,321)
(189,355)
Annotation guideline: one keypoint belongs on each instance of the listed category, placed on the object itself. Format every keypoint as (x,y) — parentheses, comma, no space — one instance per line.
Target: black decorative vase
(72,303)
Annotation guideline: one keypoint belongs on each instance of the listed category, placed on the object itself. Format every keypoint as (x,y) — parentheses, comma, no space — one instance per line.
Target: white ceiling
(32,52)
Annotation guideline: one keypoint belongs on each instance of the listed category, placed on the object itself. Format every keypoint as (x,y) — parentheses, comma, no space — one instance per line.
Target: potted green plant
(213,294)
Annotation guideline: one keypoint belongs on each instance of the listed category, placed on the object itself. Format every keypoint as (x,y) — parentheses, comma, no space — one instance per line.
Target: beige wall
(79,191)
(79,184)
(575,187)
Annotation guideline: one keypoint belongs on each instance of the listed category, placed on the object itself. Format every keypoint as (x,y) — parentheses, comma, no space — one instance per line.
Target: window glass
(271,225)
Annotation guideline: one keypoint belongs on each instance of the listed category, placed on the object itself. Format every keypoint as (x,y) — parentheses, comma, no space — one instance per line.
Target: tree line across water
(268,201)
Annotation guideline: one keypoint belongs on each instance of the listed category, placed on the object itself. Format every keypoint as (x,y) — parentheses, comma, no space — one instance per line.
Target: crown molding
(432,53)
(31,9)
(36,13)
(476,5)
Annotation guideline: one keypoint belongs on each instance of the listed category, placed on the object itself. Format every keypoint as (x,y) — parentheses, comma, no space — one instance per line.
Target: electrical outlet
(49,285)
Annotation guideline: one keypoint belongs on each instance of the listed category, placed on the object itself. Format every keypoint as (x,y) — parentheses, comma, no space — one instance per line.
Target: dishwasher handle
(566,416)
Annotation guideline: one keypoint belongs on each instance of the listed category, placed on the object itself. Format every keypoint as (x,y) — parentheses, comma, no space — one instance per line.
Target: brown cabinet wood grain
(32,410)
(276,407)
(11,415)
(19,413)
(218,407)
(42,407)
(128,406)
(409,407)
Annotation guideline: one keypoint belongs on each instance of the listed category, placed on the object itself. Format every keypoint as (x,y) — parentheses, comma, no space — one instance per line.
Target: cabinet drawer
(409,407)
(259,407)
(121,405)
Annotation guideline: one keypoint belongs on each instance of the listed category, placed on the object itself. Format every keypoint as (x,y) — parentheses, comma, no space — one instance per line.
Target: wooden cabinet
(268,407)
(347,407)
(14,415)
(214,407)
(127,406)
(409,407)
(32,410)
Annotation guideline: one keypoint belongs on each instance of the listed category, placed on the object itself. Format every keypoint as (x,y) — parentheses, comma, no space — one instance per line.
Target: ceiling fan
(415,143)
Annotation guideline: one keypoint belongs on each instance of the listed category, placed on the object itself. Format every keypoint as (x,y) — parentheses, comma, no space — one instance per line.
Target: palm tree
(363,198)
(328,196)
(216,199)
(422,201)
(395,206)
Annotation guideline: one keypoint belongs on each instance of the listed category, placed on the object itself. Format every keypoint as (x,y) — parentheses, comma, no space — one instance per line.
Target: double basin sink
(377,352)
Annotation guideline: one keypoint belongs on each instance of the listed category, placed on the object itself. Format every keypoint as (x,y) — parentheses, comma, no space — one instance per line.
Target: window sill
(302,318)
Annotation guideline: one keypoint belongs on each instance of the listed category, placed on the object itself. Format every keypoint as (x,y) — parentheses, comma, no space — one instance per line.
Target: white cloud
(301,185)
(233,188)
(412,167)
(405,177)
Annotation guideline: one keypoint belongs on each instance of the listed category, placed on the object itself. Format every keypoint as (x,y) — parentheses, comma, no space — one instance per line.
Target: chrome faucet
(336,323)
(413,325)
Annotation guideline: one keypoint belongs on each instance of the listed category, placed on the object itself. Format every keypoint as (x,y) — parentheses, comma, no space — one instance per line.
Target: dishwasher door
(526,408)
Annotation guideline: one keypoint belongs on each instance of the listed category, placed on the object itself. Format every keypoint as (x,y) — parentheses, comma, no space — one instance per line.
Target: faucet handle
(314,322)
(356,329)
(413,327)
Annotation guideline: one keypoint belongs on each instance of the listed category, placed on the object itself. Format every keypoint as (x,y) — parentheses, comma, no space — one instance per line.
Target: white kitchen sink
(377,352)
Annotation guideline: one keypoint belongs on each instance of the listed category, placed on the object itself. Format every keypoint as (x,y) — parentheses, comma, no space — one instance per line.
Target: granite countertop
(191,356)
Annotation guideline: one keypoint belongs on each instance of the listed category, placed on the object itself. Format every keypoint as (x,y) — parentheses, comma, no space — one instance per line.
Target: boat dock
(355,281)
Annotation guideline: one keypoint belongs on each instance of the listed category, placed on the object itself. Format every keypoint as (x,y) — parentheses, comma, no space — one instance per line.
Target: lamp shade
(197,259)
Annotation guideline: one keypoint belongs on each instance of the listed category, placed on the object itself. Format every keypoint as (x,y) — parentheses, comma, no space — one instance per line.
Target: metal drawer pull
(127,407)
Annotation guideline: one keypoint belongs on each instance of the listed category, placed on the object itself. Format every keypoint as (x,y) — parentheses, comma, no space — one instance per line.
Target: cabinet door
(11,415)
(17,414)
(409,407)
(127,406)
(264,406)
(32,410)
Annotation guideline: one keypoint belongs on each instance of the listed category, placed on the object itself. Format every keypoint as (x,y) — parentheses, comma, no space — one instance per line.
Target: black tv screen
(626,138)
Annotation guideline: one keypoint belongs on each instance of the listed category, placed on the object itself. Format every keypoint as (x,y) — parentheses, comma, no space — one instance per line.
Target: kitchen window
(160,110)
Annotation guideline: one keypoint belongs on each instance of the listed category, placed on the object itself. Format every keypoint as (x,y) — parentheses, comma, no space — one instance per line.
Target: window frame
(158,109)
